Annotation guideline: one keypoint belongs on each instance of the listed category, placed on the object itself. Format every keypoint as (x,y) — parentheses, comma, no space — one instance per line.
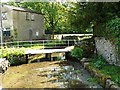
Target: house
(21,24)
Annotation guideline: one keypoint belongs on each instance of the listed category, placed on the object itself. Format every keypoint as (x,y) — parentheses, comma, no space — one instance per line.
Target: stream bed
(71,76)
(55,74)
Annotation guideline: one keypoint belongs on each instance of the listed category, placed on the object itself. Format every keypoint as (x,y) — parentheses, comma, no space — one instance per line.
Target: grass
(92,80)
(107,69)
(113,71)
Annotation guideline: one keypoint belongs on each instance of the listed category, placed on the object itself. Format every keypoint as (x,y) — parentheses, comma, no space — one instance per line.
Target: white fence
(44,43)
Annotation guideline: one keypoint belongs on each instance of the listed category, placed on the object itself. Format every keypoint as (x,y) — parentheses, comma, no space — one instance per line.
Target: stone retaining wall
(4,64)
(107,50)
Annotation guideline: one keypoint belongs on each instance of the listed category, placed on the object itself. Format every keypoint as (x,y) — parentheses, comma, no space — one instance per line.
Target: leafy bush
(14,55)
(98,62)
(114,26)
(77,53)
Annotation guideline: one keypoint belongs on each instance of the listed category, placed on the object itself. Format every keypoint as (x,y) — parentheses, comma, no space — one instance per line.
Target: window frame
(27,16)
(4,15)
(7,32)
(32,17)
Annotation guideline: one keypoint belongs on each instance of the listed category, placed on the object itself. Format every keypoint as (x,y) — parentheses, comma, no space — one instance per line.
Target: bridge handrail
(44,43)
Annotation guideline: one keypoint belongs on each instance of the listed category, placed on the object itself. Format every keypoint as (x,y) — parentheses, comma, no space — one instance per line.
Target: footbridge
(45,51)
(46,47)
(48,52)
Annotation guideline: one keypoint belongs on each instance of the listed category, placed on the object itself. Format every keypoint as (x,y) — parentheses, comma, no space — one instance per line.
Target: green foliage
(15,56)
(72,17)
(113,71)
(113,33)
(11,53)
(77,53)
(59,17)
(92,14)
(110,70)
(15,34)
(98,62)
(92,80)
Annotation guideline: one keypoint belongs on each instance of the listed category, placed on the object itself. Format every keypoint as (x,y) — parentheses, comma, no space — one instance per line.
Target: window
(32,17)
(4,16)
(37,33)
(27,16)
(6,33)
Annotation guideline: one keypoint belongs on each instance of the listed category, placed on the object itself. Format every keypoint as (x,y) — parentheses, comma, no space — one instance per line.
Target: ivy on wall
(111,31)
(114,30)
(114,33)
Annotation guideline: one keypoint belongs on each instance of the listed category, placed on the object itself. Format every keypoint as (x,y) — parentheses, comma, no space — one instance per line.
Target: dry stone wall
(107,50)
(4,64)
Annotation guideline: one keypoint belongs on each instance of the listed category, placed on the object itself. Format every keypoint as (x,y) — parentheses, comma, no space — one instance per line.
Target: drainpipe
(1,27)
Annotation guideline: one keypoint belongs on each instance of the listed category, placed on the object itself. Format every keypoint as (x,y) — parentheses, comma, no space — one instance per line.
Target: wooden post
(48,56)
(26,58)
(66,55)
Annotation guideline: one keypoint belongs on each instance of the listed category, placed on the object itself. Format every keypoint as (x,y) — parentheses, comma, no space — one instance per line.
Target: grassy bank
(107,69)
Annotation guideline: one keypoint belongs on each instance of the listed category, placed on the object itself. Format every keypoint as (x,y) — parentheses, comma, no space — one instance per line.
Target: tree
(93,14)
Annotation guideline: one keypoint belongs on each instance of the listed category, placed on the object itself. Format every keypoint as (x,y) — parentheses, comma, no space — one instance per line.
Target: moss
(100,77)
(103,80)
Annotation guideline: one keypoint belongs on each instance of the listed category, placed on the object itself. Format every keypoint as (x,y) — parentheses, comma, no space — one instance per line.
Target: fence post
(68,42)
(18,44)
(31,43)
(43,44)
(55,43)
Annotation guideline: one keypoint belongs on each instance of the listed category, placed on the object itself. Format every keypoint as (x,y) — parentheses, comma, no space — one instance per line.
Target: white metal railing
(44,43)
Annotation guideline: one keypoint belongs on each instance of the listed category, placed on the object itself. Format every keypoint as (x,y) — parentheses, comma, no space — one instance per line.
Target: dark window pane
(6,33)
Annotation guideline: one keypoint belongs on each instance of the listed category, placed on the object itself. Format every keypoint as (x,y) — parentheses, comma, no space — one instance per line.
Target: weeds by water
(111,70)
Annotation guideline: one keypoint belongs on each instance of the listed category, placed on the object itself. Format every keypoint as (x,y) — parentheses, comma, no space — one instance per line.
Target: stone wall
(107,50)
(4,64)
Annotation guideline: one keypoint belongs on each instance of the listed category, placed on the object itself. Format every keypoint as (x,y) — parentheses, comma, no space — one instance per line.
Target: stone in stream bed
(4,64)
(76,84)
(49,76)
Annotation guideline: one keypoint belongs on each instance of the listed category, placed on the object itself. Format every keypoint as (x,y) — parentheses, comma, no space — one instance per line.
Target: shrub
(77,53)
(14,55)
(98,62)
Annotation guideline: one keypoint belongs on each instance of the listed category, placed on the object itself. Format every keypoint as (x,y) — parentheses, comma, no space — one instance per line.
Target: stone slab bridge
(48,52)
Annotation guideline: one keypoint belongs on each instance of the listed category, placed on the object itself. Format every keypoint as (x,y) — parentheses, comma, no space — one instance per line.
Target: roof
(22,9)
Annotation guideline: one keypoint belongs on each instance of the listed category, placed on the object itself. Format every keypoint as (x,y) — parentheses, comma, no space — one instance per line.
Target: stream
(72,76)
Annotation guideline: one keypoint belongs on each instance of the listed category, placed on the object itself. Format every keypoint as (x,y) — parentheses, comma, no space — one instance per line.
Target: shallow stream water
(72,77)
